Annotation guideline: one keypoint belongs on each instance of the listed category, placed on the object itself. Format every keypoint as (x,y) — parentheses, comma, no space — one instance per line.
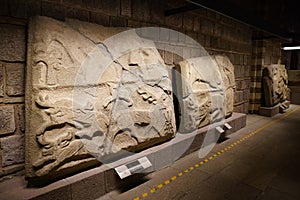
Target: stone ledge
(271,111)
(96,182)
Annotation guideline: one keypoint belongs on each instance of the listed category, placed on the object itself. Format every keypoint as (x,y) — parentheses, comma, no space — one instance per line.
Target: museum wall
(217,33)
(264,52)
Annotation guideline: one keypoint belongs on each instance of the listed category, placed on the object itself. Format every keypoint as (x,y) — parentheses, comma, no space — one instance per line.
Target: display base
(271,111)
(95,182)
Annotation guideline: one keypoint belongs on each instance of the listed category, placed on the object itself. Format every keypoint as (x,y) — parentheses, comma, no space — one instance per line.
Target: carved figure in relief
(227,72)
(274,85)
(51,61)
(202,93)
(145,99)
(131,108)
(63,135)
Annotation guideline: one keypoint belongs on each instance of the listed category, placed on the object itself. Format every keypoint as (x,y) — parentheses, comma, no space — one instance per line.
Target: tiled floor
(263,166)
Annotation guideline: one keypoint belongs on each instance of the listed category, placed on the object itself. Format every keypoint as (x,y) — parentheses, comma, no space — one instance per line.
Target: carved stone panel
(83,101)
(274,85)
(202,97)
(227,72)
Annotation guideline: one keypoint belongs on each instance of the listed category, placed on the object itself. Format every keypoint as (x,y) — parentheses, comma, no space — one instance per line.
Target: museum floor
(260,161)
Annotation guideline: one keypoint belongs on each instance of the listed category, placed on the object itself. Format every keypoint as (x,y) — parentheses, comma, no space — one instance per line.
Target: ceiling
(277,18)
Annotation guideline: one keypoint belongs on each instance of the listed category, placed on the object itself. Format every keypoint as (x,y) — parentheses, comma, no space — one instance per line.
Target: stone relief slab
(227,72)
(274,85)
(201,93)
(78,108)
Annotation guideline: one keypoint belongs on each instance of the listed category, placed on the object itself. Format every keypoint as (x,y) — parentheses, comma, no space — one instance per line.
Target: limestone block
(227,72)
(12,46)
(15,79)
(202,97)
(7,120)
(91,96)
(274,85)
(12,150)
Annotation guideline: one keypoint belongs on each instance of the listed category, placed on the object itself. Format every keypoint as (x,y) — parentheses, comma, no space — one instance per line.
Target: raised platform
(271,111)
(95,182)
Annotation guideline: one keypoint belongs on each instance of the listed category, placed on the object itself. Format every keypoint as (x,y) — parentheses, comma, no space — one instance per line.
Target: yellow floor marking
(145,194)
(220,152)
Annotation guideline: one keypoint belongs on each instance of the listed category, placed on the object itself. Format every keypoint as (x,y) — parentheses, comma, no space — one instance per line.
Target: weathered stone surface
(1,81)
(89,96)
(227,72)
(12,46)
(12,148)
(202,94)
(274,85)
(21,117)
(207,91)
(7,120)
(15,79)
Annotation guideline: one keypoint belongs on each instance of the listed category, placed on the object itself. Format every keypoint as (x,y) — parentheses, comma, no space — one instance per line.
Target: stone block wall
(264,52)
(12,67)
(217,33)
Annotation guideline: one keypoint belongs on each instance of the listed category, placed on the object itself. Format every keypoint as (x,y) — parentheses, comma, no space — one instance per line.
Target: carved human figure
(274,85)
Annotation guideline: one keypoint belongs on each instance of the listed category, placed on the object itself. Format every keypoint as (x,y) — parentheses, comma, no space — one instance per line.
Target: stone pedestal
(271,111)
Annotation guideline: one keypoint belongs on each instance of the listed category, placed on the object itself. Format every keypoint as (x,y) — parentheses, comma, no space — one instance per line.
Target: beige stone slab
(206,91)
(274,85)
(91,94)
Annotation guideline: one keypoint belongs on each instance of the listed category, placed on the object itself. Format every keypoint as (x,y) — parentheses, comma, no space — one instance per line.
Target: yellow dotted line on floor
(197,165)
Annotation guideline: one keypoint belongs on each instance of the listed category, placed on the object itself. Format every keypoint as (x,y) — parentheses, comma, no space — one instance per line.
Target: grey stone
(15,84)
(12,150)
(269,111)
(12,46)
(89,188)
(7,120)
